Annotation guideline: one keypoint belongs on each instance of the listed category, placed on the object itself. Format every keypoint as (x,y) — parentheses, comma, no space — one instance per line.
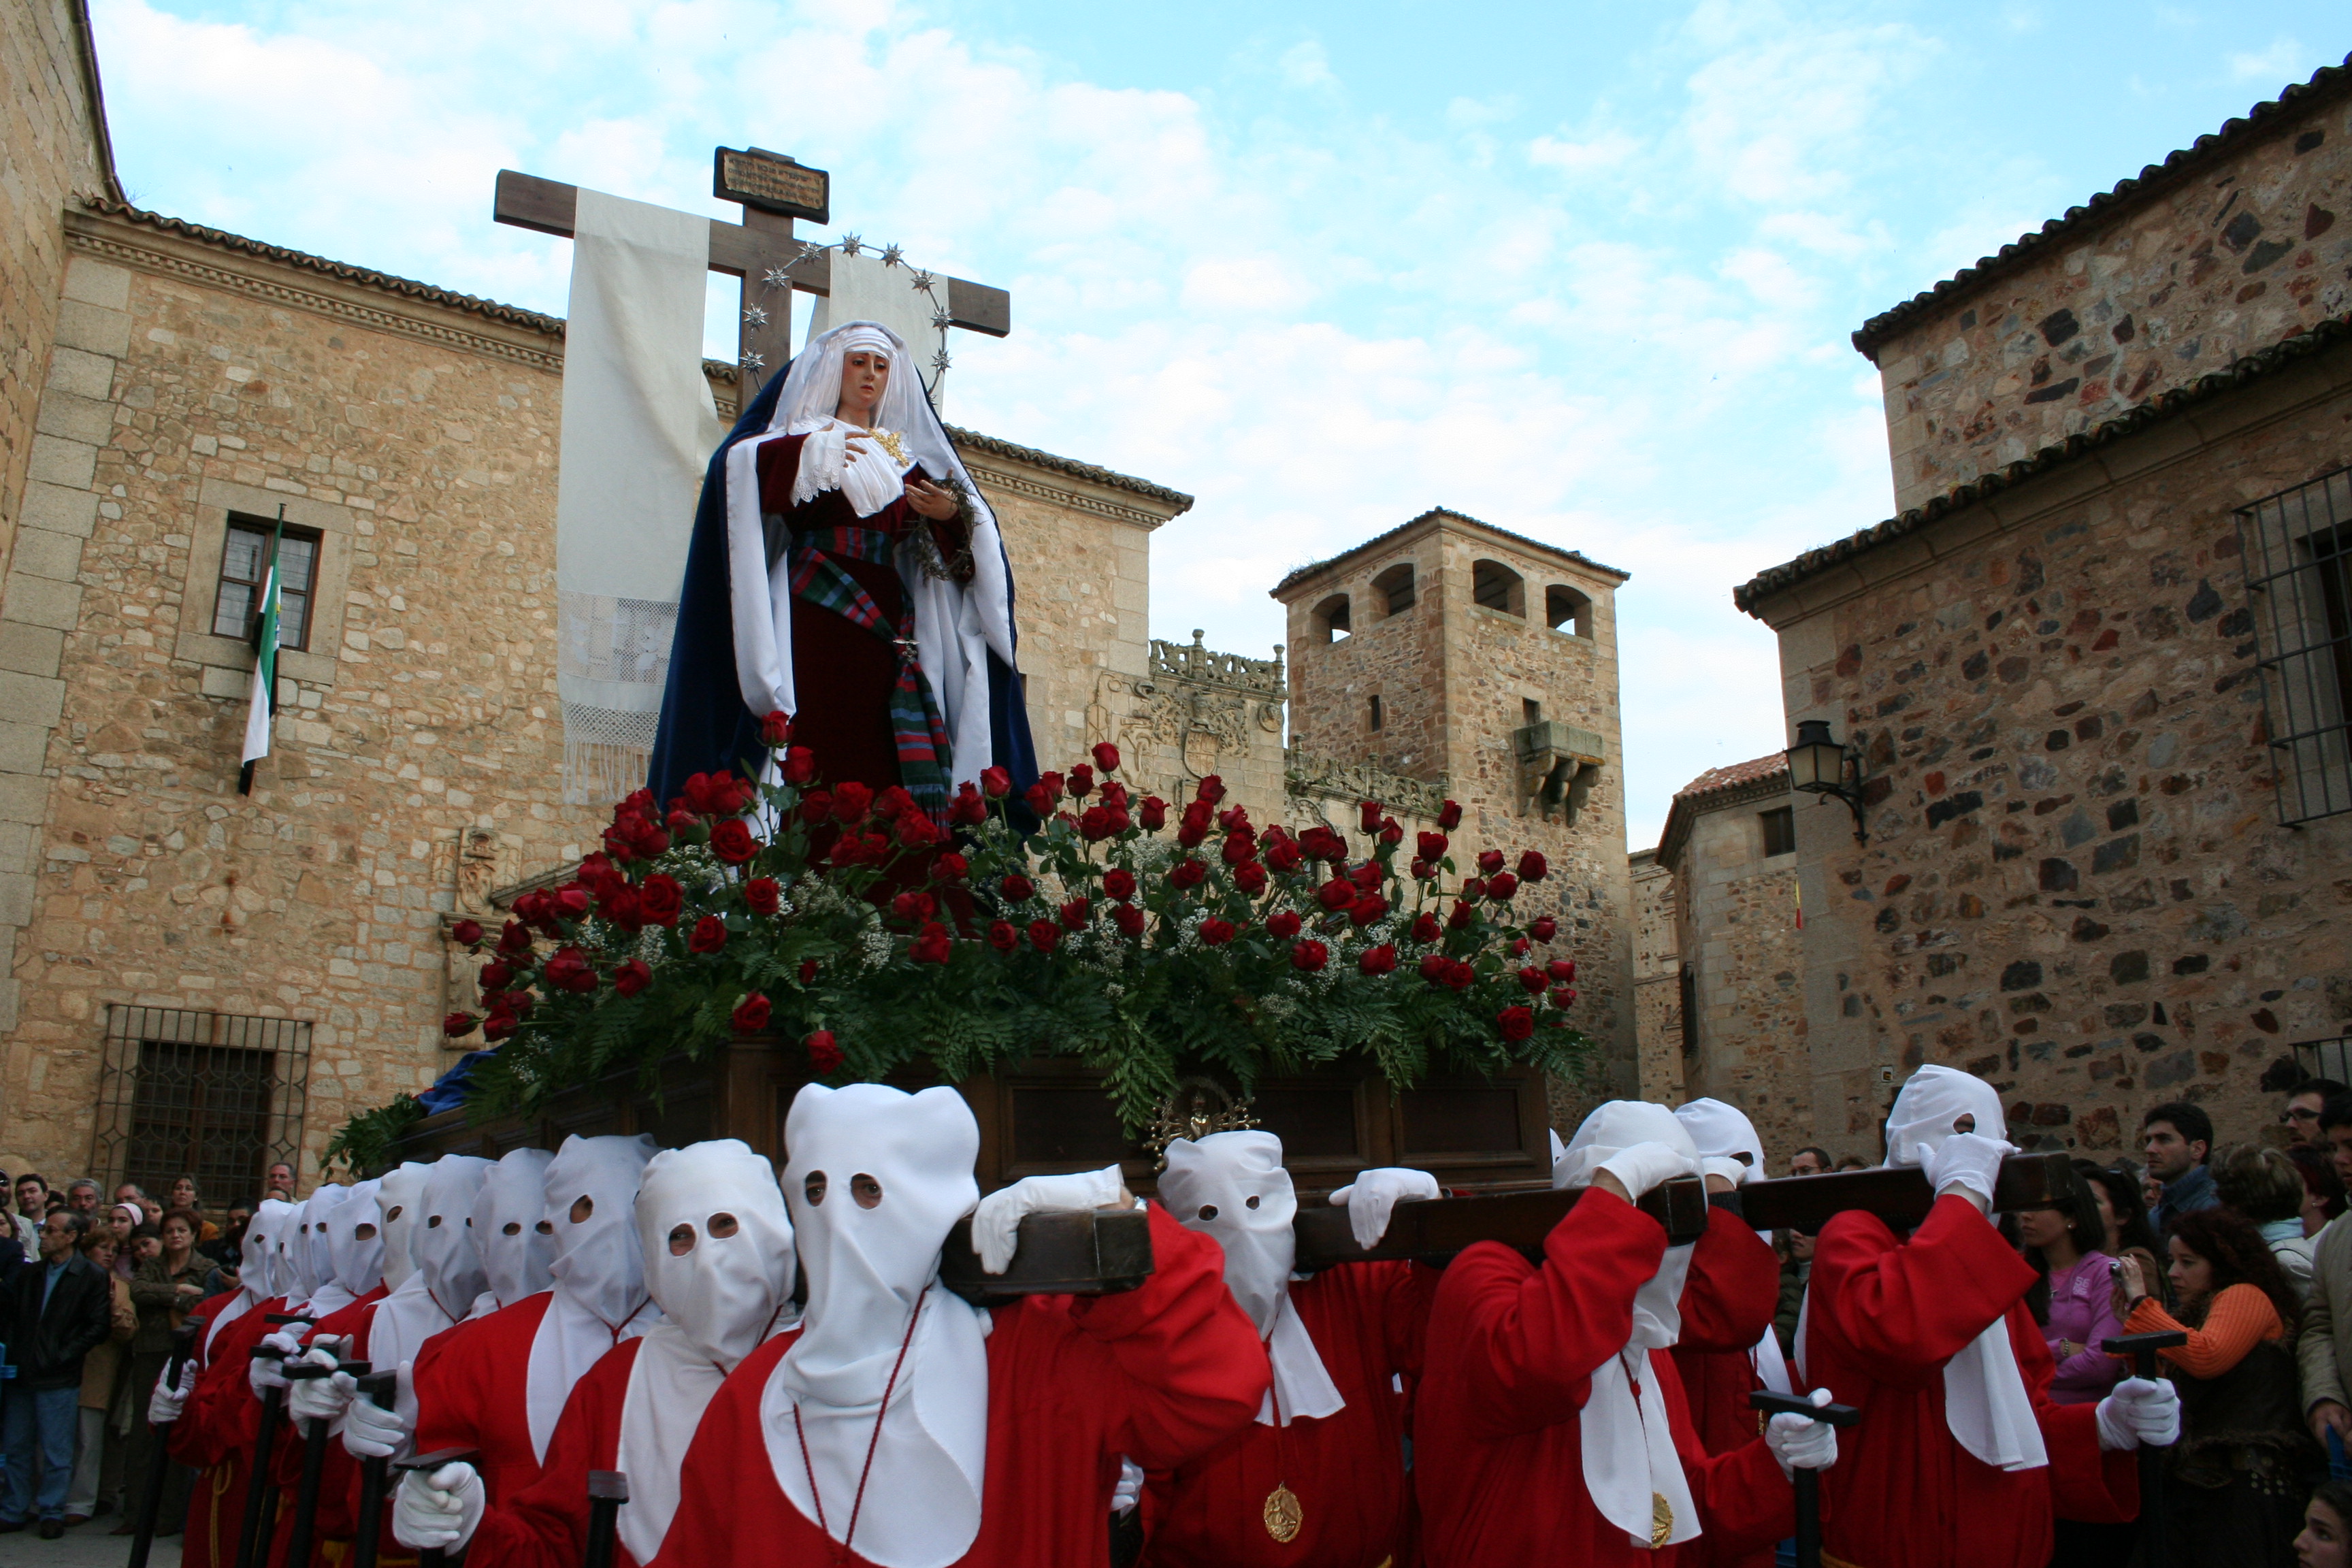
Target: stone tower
(1466,661)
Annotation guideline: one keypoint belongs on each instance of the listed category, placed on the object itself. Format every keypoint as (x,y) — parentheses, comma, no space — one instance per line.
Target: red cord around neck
(857,1504)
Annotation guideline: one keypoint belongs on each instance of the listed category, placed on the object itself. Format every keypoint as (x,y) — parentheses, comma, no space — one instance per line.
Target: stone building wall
(54,145)
(1471,689)
(1657,979)
(1735,918)
(2077,884)
(416,754)
(2227,248)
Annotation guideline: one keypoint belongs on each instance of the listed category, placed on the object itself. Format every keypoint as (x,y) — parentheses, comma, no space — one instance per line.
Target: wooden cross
(761,250)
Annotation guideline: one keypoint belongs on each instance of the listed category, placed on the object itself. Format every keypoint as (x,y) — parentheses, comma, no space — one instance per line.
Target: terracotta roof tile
(1377,540)
(1754,772)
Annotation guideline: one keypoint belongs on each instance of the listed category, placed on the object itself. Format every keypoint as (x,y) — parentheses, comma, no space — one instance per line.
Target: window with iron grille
(245,566)
(2297,546)
(210,1095)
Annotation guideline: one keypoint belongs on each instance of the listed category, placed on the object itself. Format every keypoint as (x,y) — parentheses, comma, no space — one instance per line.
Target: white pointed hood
(400,1197)
(590,1193)
(442,1246)
(356,1241)
(511,1226)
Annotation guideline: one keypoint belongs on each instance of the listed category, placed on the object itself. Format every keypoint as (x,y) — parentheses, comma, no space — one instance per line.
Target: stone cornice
(999,477)
(1684,815)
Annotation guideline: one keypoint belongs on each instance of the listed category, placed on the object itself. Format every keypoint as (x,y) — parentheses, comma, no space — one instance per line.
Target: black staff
(314,1459)
(382,1387)
(1806,1483)
(607,1490)
(2156,1551)
(260,1496)
(159,1463)
(425,1464)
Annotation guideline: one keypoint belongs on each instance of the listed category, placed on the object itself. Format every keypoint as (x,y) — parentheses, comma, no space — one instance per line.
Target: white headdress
(355,1241)
(314,1263)
(510,1228)
(442,1246)
(399,1194)
(265,1264)
(1719,1131)
(599,1272)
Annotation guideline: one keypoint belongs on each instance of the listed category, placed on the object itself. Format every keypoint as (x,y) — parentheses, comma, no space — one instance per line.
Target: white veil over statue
(956,627)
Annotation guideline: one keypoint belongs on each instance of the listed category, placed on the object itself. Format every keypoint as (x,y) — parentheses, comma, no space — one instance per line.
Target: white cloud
(2286,61)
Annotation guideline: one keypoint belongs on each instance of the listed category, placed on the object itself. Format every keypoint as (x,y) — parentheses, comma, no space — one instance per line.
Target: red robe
(1162,1374)
(1347,1471)
(1497,1450)
(471,1393)
(1712,1358)
(1884,1317)
(216,1434)
(545,1524)
(335,1518)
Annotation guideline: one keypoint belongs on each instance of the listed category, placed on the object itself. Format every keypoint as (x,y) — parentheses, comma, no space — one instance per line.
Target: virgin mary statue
(845,571)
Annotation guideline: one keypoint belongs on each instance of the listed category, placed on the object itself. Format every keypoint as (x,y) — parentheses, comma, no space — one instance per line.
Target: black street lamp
(1820,765)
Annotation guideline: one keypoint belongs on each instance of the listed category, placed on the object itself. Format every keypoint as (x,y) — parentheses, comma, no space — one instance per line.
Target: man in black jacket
(54,1311)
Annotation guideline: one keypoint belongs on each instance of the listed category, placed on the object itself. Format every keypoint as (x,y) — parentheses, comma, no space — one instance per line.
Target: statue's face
(865,373)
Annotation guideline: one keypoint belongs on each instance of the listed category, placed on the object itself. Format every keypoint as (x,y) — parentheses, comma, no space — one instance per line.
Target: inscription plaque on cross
(762,250)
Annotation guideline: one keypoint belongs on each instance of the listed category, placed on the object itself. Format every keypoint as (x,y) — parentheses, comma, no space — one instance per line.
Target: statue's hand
(930,501)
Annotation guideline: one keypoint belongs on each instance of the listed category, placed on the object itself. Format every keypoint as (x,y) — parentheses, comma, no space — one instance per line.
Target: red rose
(466,933)
(1309,955)
(851,802)
(1321,844)
(632,977)
(1490,862)
(1424,929)
(1519,946)
(1194,828)
(1449,816)
(659,899)
(1235,819)
(1533,980)
(1044,934)
(1380,960)
(893,801)
(650,842)
(1533,867)
(1212,790)
(1114,794)
(568,970)
(775,729)
(1129,919)
(1187,873)
(1545,929)
(913,907)
(751,1015)
(1515,1023)
(1017,888)
(1461,916)
(1422,871)
(799,766)
(917,831)
(732,842)
(1563,971)
(825,1056)
(495,975)
(1002,936)
(709,935)
(571,902)
(682,821)
(950,867)
(816,806)
(1367,875)
(1434,966)
(1367,815)
(497,1027)
(1074,913)
(619,905)
(1154,814)
(1240,849)
(996,783)
(931,944)
(1460,974)
(1250,878)
(1368,908)
(1082,781)
(808,970)
(515,937)
(1501,886)
(1038,800)
(1282,924)
(1118,883)
(967,810)
(1474,888)
(1215,932)
(1281,851)
(1563,997)
(1106,757)
(1335,894)
(1097,822)
(762,894)
(1432,845)
(1390,833)
(457,1024)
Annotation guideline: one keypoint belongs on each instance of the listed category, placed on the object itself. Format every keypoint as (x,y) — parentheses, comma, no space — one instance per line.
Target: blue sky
(1586,272)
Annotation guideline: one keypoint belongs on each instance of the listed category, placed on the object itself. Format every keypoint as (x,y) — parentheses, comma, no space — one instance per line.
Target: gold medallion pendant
(1662,1519)
(1283,1514)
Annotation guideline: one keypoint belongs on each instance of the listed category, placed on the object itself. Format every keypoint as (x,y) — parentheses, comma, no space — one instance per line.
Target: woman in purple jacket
(2063,1243)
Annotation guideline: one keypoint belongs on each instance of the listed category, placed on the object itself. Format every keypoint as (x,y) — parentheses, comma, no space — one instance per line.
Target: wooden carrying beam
(1433,1229)
(1899,1194)
(1061,1252)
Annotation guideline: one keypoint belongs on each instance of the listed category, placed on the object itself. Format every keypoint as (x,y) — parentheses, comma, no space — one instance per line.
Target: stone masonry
(1657,979)
(2077,882)
(1490,660)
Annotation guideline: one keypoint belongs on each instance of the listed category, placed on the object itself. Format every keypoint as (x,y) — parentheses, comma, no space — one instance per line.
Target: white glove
(2142,1411)
(1373,1196)
(318,1399)
(1730,1169)
(1966,1163)
(164,1405)
(264,1375)
(441,1508)
(1129,1490)
(1799,1442)
(996,1224)
(370,1431)
(1644,1165)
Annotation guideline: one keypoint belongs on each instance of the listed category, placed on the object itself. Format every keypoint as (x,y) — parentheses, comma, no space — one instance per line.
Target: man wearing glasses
(2301,1117)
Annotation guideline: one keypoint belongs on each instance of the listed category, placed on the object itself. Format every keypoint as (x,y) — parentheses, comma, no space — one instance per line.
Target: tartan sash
(925,757)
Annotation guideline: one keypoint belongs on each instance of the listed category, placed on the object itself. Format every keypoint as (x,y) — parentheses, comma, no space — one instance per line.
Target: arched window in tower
(1395,587)
(1329,618)
(1566,610)
(1495,587)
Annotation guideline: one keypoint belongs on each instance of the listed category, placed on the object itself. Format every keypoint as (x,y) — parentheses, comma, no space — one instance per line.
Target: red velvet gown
(1497,1450)
(545,1524)
(843,675)
(1162,1374)
(1347,1471)
(216,1434)
(472,1384)
(1884,1317)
